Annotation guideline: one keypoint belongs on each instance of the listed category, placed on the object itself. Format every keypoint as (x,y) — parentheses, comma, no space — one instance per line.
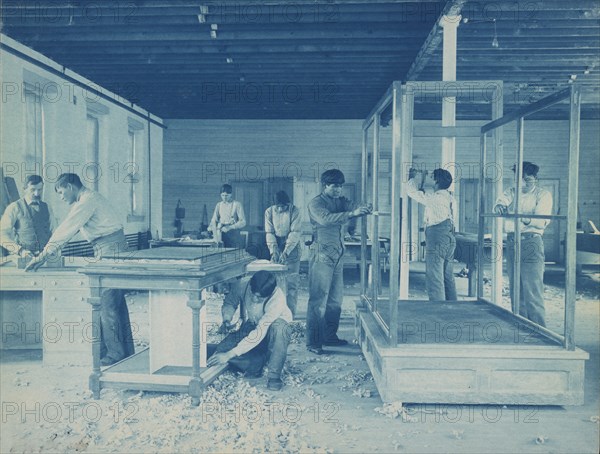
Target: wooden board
(198,254)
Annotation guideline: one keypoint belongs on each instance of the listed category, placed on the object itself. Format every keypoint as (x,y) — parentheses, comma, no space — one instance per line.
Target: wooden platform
(468,352)
(134,373)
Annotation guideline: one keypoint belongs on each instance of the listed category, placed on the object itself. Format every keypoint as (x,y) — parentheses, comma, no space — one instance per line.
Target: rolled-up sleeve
(295,231)
(241,216)
(76,219)
(270,230)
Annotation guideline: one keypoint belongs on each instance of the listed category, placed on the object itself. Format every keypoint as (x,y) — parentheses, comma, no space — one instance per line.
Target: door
(250,195)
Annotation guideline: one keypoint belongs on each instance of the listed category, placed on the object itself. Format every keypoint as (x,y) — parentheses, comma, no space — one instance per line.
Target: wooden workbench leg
(472,276)
(195,387)
(94,381)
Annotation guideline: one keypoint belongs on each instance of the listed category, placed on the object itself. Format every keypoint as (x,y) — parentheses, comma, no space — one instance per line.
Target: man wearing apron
(93,216)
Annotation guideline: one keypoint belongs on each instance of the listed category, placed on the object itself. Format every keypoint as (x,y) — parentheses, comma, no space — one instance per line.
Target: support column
(195,382)
(450,26)
(95,301)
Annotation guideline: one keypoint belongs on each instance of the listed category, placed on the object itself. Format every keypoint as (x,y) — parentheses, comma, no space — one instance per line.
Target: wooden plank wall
(202,155)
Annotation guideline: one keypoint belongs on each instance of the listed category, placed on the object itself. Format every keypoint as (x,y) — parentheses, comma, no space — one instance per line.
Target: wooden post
(195,382)
(363,221)
(498,189)
(95,300)
(448,157)
(375,221)
(481,220)
(516,287)
(572,197)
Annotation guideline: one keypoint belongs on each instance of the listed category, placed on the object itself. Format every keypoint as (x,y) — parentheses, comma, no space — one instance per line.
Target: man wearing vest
(25,225)
(94,218)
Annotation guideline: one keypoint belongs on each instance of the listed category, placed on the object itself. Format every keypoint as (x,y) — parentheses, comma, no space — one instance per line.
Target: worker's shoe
(315,350)
(335,342)
(274,384)
(108,361)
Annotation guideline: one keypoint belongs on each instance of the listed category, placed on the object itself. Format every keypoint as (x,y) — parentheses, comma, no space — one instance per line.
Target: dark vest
(32,228)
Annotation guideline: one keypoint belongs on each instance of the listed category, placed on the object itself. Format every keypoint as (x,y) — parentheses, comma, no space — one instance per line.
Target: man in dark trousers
(93,216)
(264,336)
(329,214)
(25,225)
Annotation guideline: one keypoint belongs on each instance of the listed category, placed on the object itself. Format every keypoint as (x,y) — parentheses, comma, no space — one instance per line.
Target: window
(135,169)
(34,129)
(93,147)
(95,144)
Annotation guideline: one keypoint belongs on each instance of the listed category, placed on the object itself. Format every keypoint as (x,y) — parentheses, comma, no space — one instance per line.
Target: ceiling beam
(433,40)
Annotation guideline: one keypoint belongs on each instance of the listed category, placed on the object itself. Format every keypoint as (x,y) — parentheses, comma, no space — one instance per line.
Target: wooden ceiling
(309,59)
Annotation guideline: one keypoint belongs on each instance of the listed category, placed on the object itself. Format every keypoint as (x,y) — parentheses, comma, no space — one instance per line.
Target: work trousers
(233,239)
(272,350)
(325,294)
(531,301)
(115,327)
(293,273)
(439,256)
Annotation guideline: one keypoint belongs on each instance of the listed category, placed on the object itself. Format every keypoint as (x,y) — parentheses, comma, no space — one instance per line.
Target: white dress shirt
(537,201)
(438,204)
(284,224)
(276,307)
(91,215)
(228,213)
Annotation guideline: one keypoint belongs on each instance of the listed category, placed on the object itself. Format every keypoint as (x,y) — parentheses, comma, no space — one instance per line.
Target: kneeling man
(263,337)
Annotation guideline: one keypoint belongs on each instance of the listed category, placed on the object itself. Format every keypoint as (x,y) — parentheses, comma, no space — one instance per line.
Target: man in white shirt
(93,216)
(283,232)
(439,232)
(264,335)
(537,201)
(25,227)
(227,220)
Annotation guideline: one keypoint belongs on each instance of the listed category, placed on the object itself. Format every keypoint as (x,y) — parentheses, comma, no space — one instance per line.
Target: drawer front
(67,300)
(72,281)
(30,281)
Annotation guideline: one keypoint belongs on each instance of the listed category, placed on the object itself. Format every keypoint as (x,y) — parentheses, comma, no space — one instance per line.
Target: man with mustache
(25,227)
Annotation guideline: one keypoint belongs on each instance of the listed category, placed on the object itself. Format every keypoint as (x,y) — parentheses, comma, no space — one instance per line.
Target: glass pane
(379,237)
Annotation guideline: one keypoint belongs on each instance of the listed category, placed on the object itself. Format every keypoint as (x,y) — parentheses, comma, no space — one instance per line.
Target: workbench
(175,278)
(47,310)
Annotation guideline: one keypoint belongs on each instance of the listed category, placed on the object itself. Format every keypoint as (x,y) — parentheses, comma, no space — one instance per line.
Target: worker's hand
(25,253)
(226,327)
(283,258)
(225,229)
(501,209)
(362,210)
(219,358)
(275,256)
(36,262)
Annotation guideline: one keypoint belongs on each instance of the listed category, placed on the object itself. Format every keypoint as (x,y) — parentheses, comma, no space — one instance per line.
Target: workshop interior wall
(62,144)
(200,155)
